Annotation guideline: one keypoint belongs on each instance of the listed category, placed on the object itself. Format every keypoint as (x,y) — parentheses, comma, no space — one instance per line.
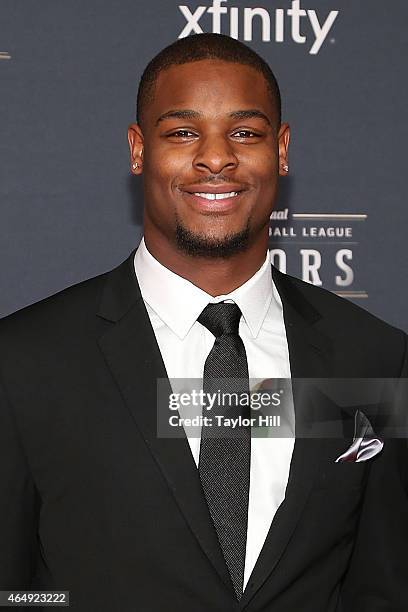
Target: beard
(200,245)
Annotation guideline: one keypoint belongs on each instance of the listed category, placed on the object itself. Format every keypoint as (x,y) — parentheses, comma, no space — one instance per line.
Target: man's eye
(182,134)
(245,134)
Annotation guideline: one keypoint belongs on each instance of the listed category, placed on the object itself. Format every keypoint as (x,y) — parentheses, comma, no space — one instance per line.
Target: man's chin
(202,245)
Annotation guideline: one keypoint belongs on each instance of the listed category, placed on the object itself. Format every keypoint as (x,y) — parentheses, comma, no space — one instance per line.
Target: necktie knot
(222,318)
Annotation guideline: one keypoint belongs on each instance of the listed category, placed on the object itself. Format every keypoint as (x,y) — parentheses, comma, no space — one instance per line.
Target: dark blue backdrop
(69,72)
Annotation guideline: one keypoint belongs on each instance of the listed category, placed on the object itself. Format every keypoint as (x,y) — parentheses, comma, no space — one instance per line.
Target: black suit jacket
(93,502)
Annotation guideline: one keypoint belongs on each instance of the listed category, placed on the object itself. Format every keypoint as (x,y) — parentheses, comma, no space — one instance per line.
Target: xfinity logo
(244,18)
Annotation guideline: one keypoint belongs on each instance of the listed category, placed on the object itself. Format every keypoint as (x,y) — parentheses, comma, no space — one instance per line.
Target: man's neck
(215,276)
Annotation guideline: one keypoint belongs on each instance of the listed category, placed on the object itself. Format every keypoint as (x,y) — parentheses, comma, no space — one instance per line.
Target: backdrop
(69,72)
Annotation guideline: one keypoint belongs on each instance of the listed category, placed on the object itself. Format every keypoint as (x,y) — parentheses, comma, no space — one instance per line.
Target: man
(95,502)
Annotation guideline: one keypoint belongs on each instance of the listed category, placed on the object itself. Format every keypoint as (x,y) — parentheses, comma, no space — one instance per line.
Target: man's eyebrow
(179,114)
(192,114)
(250,114)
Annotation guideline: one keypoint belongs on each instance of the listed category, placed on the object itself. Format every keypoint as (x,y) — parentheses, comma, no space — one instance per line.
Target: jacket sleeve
(19,506)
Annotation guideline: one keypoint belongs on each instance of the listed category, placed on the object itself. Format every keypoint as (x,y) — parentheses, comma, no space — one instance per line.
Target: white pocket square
(366,444)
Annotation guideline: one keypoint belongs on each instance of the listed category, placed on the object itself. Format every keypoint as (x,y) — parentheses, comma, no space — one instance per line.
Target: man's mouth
(212,199)
(216,196)
(218,202)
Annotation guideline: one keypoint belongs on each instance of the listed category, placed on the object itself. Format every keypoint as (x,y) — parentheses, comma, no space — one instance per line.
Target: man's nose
(215,154)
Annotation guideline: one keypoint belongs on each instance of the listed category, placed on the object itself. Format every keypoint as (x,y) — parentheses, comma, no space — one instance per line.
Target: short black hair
(198,47)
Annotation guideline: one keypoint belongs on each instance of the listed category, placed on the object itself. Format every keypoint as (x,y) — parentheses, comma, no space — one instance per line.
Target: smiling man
(93,500)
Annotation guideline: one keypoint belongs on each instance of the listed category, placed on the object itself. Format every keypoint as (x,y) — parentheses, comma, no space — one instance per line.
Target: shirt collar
(179,303)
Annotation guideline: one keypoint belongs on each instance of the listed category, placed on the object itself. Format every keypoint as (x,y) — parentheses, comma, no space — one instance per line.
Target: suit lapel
(310,357)
(133,356)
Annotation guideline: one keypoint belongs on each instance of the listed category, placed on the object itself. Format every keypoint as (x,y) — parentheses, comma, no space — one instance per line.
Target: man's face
(212,152)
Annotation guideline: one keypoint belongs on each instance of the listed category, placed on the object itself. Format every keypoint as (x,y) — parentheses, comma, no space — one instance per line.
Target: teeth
(217,196)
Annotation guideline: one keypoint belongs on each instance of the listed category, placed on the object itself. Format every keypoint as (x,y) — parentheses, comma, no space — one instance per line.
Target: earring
(135,165)
(285,167)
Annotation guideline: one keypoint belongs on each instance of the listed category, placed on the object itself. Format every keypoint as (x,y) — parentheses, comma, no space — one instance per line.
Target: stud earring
(285,167)
(135,165)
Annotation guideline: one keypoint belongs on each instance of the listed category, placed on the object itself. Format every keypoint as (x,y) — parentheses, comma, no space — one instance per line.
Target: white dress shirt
(174,304)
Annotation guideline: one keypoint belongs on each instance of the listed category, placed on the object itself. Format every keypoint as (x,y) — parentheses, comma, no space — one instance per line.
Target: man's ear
(283,146)
(135,139)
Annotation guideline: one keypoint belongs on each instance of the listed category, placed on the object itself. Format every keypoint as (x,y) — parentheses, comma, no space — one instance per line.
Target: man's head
(208,113)
(198,48)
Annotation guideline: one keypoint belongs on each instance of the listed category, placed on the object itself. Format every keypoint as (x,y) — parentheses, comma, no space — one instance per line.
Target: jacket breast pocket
(342,475)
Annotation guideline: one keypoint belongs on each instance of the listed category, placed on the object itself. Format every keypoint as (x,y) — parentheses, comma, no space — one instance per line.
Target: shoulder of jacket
(338,310)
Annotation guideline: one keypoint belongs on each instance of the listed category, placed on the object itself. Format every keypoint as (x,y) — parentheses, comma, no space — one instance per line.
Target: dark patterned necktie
(224,464)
